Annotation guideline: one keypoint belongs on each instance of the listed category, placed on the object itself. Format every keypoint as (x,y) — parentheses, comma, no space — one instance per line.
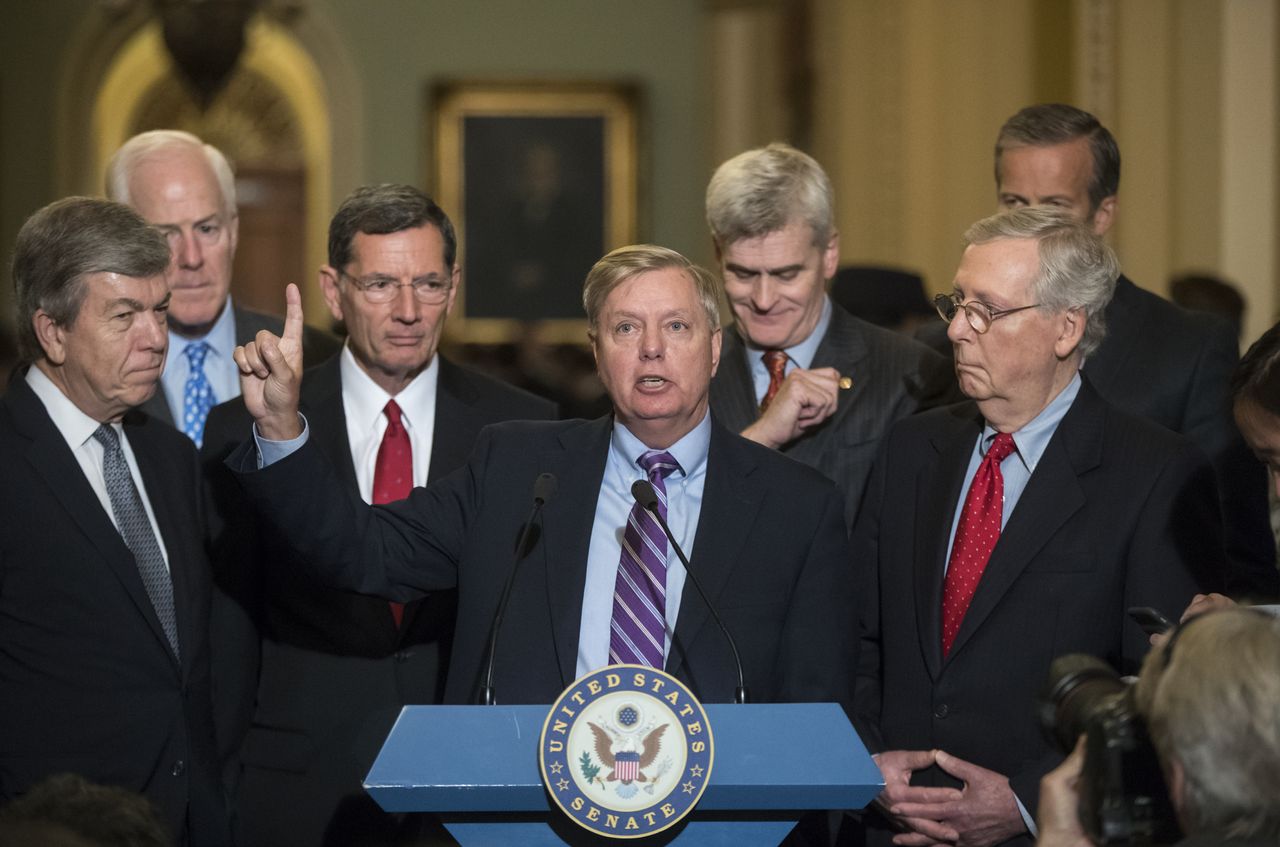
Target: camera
(1123,796)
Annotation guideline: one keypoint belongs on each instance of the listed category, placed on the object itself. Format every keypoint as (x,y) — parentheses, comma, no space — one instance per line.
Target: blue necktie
(197,397)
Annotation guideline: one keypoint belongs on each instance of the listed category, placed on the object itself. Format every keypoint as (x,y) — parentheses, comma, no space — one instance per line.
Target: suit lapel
(567,521)
(1106,364)
(939,490)
(1052,496)
(730,489)
(733,396)
(845,349)
(50,456)
(321,402)
(455,434)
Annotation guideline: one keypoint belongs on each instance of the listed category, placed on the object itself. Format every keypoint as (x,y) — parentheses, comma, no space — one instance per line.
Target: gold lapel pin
(846,382)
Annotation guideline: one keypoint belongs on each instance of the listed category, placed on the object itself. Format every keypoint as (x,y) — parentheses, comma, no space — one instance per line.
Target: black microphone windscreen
(643,491)
(543,487)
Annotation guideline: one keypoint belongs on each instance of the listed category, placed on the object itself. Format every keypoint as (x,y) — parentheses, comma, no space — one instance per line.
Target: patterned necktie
(197,397)
(638,632)
(393,472)
(135,529)
(976,536)
(776,362)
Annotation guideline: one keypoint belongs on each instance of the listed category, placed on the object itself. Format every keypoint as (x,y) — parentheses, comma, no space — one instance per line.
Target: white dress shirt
(78,429)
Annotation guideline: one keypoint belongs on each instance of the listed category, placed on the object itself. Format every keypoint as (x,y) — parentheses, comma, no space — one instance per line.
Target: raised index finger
(292,314)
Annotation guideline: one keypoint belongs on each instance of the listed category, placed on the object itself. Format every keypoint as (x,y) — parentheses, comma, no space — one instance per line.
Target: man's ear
(1072,330)
(332,294)
(831,257)
(455,279)
(51,335)
(716,338)
(1104,216)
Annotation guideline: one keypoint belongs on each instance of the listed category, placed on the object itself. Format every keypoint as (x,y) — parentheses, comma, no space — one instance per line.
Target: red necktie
(776,362)
(393,472)
(976,537)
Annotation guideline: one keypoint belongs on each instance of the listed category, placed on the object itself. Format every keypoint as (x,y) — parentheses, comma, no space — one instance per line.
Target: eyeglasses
(381,289)
(979,314)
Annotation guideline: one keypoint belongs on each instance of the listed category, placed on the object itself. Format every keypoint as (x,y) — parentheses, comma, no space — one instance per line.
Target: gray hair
(1210,698)
(1077,268)
(157,142)
(761,191)
(67,241)
(622,264)
(1047,124)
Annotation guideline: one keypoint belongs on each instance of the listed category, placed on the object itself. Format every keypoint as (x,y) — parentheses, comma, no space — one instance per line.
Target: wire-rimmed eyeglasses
(979,314)
(380,289)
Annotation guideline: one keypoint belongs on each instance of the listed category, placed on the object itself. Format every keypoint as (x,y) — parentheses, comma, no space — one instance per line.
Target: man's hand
(896,767)
(271,372)
(805,399)
(1059,818)
(1200,604)
(985,813)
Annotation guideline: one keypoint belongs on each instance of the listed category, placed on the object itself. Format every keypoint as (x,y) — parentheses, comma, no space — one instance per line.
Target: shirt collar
(1033,438)
(221,338)
(690,451)
(799,355)
(363,399)
(76,427)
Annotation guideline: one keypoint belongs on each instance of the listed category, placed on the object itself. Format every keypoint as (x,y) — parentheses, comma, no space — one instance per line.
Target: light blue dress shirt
(799,356)
(1030,443)
(219,368)
(684,505)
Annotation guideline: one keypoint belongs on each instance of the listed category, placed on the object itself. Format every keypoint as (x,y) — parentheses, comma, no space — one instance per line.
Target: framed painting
(540,179)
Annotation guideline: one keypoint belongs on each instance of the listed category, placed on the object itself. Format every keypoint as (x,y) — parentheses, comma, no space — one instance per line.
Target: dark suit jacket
(334,668)
(88,682)
(893,377)
(1117,513)
(770,551)
(1173,367)
(317,345)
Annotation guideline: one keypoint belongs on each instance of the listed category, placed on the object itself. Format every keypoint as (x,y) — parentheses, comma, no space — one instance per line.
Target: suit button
(940,710)
(179,768)
(403,655)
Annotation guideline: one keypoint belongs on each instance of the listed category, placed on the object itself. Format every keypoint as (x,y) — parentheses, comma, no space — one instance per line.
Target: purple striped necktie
(637,634)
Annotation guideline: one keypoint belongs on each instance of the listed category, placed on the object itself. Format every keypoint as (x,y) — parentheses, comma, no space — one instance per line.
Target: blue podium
(477,768)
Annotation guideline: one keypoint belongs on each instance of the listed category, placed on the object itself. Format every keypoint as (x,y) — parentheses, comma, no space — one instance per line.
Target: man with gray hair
(104,609)
(185,188)
(801,375)
(998,537)
(1159,361)
(599,584)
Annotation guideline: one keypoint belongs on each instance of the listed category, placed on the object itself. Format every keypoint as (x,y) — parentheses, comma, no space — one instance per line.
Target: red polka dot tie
(776,362)
(393,471)
(976,537)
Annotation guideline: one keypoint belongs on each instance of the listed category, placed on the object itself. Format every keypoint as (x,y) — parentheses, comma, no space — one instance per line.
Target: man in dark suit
(186,188)
(104,583)
(1158,361)
(838,382)
(765,534)
(999,538)
(336,667)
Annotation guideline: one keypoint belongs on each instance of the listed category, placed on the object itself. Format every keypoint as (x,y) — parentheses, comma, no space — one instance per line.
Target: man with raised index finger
(764,534)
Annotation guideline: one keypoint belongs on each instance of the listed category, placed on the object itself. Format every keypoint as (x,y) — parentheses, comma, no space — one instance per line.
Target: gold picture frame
(540,180)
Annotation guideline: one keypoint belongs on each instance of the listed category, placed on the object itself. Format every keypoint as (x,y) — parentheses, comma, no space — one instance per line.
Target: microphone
(647,497)
(543,487)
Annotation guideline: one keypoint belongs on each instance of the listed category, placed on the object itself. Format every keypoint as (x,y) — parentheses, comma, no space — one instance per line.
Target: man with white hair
(997,538)
(186,188)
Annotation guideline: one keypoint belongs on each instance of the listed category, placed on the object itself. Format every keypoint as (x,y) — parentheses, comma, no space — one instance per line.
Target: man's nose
(764,293)
(652,343)
(959,328)
(406,305)
(186,250)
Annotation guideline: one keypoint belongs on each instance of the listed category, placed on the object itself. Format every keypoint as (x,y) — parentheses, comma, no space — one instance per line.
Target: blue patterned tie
(638,632)
(197,397)
(135,529)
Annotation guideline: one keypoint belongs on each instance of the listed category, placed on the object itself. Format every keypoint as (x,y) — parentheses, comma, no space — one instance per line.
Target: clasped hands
(983,812)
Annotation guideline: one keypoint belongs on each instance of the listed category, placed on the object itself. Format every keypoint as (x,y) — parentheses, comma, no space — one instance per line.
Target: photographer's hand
(896,767)
(1059,818)
(986,812)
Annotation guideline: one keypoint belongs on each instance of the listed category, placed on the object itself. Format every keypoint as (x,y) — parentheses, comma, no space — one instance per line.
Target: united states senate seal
(626,751)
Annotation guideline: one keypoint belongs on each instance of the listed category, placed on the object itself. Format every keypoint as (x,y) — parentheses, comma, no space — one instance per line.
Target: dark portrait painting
(535,198)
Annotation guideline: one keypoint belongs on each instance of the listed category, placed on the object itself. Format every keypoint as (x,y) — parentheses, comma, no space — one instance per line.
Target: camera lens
(1078,688)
